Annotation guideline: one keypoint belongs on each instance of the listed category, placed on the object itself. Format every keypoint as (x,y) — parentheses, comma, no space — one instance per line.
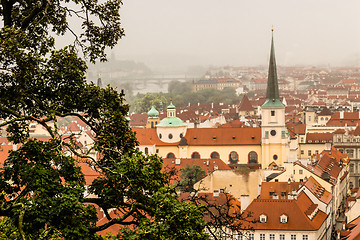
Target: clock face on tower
(273,132)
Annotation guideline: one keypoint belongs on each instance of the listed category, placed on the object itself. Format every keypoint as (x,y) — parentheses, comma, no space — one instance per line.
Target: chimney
(216,193)
(245,202)
(327,146)
(341,115)
(177,161)
(14,147)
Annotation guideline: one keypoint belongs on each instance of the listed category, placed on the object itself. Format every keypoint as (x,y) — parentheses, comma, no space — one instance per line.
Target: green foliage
(143,103)
(42,185)
(177,87)
(189,176)
(182,95)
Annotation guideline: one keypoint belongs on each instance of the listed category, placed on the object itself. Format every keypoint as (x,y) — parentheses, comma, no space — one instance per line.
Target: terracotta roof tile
(223,136)
(319,137)
(268,189)
(245,104)
(293,209)
(318,190)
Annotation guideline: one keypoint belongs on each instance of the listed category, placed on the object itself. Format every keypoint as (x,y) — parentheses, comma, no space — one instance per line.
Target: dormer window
(263,218)
(283,218)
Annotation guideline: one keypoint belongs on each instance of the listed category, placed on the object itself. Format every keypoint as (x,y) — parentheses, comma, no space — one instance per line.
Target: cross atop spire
(272,91)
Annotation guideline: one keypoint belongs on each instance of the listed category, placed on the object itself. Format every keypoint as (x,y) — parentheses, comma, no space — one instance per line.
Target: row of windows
(233,156)
(273,133)
(271,236)
(170,136)
(309,152)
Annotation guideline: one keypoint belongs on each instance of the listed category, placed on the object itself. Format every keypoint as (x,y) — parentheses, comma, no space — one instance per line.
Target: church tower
(274,136)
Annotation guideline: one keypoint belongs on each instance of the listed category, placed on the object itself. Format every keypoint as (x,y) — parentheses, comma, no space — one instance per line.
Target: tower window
(272,113)
(275,157)
(170,136)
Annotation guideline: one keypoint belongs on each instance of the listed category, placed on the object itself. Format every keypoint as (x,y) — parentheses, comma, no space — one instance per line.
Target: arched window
(195,155)
(170,136)
(152,124)
(146,150)
(214,155)
(170,155)
(252,157)
(233,158)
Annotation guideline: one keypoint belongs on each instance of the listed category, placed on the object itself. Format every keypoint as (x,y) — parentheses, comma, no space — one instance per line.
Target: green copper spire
(272,91)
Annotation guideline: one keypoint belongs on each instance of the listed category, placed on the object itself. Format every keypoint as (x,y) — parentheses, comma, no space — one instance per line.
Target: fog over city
(168,34)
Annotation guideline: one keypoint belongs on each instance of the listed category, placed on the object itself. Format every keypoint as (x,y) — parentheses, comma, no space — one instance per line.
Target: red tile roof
(268,189)
(205,136)
(295,210)
(325,112)
(349,119)
(223,136)
(318,190)
(319,138)
(245,104)
(232,124)
(138,120)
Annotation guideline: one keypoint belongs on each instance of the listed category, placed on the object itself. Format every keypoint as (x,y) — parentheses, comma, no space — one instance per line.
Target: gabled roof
(319,137)
(232,124)
(318,190)
(245,104)
(325,112)
(352,232)
(348,118)
(268,189)
(138,120)
(297,212)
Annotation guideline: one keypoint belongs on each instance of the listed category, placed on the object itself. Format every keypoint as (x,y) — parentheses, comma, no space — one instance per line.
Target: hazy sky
(167,33)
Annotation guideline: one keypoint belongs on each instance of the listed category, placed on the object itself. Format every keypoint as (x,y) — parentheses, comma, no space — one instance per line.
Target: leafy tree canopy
(42,184)
(189,176)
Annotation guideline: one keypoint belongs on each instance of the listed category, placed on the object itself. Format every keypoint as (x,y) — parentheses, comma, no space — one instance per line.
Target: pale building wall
(174,131)
(270,150)
(224,152)
(205,151)
(303,150)
(162,151)
(151,149)
(275,140)
(353,212)
(314,235)
(237,182)
(310,118)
